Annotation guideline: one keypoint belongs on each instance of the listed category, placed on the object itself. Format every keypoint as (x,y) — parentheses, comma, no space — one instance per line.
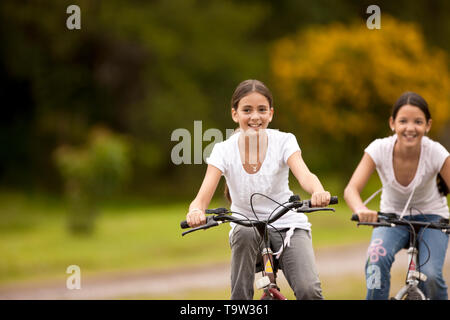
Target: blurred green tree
(147,68)
(142,68)
(92,173)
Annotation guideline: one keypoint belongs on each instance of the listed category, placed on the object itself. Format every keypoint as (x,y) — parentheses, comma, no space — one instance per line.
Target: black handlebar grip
(355,217)
(184,224)
(334,200)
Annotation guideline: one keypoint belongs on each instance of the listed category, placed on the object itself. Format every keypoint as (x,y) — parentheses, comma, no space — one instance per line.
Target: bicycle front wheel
(413,293)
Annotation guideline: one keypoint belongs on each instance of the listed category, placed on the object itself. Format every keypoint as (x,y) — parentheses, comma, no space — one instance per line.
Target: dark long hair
(248,86)
(412,99)
(243,89)
(442,186)
(418,101)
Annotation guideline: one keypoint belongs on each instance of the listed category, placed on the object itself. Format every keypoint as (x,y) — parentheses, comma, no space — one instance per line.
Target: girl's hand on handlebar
(367,215)
(320,199)
(196,218)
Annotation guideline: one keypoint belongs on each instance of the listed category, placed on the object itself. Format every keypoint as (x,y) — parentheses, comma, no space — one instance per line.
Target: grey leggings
(297,262)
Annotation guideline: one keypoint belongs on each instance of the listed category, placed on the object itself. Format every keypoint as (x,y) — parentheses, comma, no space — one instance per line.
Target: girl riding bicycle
(408,164)
(258,159)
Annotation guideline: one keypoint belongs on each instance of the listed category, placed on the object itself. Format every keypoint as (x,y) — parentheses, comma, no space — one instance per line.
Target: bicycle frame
(410,291)
(412,279)
(413,276)
(268,281)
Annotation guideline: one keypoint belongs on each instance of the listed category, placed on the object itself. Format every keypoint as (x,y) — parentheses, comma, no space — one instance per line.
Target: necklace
(254,167)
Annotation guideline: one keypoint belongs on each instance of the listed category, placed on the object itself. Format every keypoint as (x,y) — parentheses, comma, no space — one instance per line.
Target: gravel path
(337,261)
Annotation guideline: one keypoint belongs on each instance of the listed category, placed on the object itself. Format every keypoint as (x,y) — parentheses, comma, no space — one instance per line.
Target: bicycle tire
(273,294)
(267,297)
(414,293)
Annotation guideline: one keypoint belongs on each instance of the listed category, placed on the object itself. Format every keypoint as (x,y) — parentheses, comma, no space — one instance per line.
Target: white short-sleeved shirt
(272,179)
(426,196)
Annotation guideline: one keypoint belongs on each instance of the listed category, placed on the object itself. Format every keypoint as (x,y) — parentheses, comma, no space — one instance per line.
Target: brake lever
(442,224)
(210,222)
(307,209)
(376,224)
(216,211)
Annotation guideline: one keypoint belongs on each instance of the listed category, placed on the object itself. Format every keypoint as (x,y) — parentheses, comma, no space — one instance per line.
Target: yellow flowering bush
(340,81)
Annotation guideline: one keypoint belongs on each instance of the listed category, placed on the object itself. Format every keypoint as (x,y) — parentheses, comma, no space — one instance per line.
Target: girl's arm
(196,215)
(445,171)
(352,193)
(308,181)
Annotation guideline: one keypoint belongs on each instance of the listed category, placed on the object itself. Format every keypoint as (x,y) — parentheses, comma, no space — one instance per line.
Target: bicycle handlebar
(391,220)
(221,215)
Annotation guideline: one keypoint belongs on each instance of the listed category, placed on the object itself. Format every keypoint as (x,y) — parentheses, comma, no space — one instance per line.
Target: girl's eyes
(403,121)
(260,110)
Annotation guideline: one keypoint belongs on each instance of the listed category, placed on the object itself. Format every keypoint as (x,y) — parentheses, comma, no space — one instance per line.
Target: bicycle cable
(270,215)
(412,235)
(258,220)
(262,239)
(282,240)
(247,219)
(414,240)
(421,236)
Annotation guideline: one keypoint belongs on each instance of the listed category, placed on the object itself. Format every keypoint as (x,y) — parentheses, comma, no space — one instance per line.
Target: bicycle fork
(268,280)
(413,277)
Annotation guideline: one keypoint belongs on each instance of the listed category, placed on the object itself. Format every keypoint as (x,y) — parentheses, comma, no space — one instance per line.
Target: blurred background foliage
(92,173)
(88,115)
(146,68)
(338,83)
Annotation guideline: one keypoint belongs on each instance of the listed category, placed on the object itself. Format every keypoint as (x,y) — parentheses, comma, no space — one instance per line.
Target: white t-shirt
(272,179)
(426,196)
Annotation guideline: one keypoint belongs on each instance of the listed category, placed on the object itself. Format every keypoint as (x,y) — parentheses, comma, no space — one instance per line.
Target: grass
(35,243)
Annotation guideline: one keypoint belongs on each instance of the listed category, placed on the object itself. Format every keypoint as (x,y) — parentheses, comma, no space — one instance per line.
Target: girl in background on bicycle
(258,159)
(407,163)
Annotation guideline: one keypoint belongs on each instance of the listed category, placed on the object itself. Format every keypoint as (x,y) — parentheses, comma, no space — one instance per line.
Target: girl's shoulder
(381,149)
(284,144)
(431,143)
(279,135)
(228,142)
(381,144)
(434,148)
